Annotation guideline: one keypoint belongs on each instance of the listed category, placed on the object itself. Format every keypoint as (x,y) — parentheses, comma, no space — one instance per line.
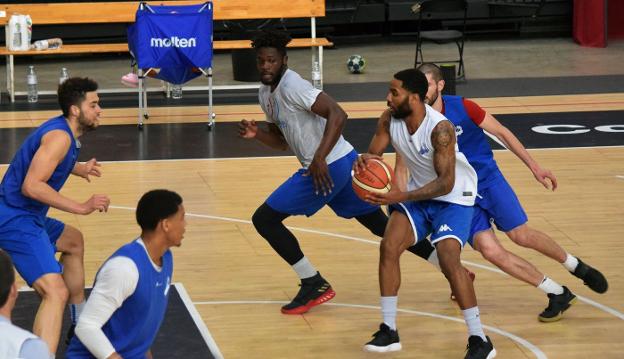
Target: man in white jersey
(438,202)
(15,342)
(310,123)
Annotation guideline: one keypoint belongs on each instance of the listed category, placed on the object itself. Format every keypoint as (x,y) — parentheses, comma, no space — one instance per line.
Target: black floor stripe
(371,91)
(178,337)
(192,140)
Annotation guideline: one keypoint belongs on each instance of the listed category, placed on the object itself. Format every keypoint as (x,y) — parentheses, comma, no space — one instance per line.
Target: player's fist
(247,129)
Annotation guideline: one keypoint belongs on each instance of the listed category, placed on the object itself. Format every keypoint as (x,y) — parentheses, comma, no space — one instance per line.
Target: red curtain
(588,25)
(616,19)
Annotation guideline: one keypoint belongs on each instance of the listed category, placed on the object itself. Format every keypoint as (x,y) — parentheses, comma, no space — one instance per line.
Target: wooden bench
(124,12)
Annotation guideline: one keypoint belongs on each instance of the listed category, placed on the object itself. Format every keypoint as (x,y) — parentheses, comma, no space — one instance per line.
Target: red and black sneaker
(314,291)
(472,278)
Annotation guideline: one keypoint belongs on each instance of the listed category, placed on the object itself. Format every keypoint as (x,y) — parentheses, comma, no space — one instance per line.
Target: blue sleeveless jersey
(11,186)
(472,141)
(133,327)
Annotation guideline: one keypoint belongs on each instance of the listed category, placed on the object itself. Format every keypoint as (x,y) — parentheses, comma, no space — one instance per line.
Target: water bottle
(64,75)
(31,83)
(316,75)
(176,92)
(48,44)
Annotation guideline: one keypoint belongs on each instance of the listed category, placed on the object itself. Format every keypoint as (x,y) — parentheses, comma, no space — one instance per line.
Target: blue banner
(176,39)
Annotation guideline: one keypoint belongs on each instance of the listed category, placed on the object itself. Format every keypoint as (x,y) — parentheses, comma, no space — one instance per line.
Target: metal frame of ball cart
(317,55)
(142,87)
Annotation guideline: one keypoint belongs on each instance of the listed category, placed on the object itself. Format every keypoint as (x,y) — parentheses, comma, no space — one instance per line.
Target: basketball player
(15,342)
(30,186)
(439,201)
(310,122)
(129,298)
(498,202)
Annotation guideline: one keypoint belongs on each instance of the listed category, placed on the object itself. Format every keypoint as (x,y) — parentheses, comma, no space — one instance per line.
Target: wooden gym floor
(238,283)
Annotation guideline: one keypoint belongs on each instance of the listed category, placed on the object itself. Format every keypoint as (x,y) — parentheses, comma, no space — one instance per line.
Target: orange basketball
(376,178)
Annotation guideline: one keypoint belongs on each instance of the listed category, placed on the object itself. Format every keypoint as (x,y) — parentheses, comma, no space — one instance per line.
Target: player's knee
(52,287)
(390,250)
(72,241)
(493,253)
(521,236)
(262,217)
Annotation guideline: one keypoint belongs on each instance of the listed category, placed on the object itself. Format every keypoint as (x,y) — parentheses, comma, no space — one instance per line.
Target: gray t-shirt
(289,107)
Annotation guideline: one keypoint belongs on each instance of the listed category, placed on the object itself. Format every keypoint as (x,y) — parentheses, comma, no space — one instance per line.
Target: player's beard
(277,77)
(86,126)
(431,100)
(403,110)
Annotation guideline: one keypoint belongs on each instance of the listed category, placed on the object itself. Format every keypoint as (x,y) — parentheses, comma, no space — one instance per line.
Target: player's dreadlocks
(271,38)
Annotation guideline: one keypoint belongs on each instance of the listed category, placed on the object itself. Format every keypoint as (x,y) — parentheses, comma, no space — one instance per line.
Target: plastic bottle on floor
(176,92)
(64,75)
(31,84)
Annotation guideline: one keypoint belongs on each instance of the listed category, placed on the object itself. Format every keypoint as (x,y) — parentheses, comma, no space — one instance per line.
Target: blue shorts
(296,196)
(440,219)
(497,204)
(31,243)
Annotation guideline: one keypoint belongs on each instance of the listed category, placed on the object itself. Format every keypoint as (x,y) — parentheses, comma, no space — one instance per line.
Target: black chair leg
(461,71)
(418,52)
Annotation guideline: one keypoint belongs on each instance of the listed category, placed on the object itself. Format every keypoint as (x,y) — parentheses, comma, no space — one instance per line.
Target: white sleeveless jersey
(289,107)
(11,339)
(417,151)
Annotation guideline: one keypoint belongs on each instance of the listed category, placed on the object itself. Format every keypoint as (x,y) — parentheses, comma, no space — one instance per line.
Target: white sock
(473,321)
(433,259)
(549,286)
(389,311)
(304,268)
(571,262)
(75,310)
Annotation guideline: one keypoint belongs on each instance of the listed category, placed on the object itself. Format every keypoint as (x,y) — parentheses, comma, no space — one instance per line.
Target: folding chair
(439,9)
(175,42)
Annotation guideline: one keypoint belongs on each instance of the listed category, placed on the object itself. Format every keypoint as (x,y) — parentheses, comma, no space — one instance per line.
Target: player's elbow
(338,117)
(84,330)
(447,186)
(28,189)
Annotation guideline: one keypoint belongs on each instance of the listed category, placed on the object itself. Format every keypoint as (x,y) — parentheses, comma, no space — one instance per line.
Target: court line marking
(199,322)
(595,304)
(525,343)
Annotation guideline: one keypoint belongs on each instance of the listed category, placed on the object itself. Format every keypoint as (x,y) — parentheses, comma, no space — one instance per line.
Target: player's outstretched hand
(320,175)
(546,178)
(360,163)
(91,168)
(98,202)
(247,129)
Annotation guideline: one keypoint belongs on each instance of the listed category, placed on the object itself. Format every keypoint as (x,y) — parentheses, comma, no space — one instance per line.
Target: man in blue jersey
(15,342)
(30,186)
(497,202)
(310,123)
(129,298)
(436,201)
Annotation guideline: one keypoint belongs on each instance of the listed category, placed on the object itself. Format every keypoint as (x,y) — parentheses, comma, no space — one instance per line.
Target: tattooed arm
(443,139)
